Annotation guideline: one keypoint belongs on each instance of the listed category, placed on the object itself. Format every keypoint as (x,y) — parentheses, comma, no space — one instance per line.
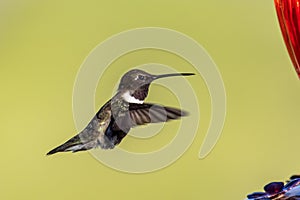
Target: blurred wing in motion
(141,114)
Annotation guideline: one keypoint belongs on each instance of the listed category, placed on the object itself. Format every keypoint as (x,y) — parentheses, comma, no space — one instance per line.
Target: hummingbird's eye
(141,77)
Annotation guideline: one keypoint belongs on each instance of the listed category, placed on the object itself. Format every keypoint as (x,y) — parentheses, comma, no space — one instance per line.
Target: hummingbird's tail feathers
(74,145)
(56,150)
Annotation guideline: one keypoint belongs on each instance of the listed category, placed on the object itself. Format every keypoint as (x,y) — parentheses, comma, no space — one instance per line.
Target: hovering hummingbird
(126,109)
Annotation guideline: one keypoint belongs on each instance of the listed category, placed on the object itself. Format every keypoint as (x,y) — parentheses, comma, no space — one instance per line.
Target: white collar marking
(127,97)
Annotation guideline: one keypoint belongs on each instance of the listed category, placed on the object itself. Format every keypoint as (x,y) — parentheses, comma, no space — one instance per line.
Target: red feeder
(288,12)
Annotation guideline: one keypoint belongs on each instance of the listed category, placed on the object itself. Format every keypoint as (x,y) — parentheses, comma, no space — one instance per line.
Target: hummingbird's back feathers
(91,136)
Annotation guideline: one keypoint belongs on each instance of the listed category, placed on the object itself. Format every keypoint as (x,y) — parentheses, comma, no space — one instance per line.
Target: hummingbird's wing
(141,114)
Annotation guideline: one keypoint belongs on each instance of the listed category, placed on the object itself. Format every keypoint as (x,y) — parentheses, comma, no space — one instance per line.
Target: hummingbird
(125,110)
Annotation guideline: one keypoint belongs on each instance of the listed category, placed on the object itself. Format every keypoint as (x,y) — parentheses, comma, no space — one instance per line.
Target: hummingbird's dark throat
(141,93)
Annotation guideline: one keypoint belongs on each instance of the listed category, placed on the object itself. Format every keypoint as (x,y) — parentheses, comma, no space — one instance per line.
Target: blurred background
(44,43)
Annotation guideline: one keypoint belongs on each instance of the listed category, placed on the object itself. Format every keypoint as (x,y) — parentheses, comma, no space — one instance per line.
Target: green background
(44,43)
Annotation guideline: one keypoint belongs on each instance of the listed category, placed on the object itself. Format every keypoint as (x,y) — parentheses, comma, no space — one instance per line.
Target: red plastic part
(288,12)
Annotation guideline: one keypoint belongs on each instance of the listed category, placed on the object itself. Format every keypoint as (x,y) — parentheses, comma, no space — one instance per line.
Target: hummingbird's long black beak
(175,74)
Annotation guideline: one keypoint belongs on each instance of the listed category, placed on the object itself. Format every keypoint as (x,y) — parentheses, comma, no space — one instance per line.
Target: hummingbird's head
(135,83)
(135,79)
